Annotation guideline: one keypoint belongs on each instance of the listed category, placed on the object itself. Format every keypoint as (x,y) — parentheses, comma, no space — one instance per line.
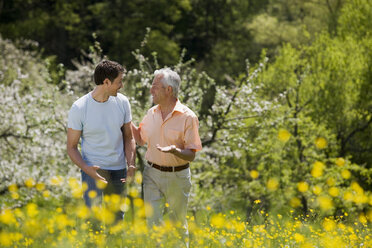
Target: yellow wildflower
(295,202)
(331,181)
(82,212)
(302,186)
(317,189)
(272,184)
(325,203)
(133,192)
(369,215)
(125,204)
(329,225)
(299,238)
(362,218)
(40,186)
(92,194)
(46,193)
(101,184)
(321,143)
(348,196)
(14,195)
(138,202)
(346,174)
(13,188)
(29,182)
(356,187)
(254,174)
(4,239)
(218,221)
(56,180)
(284,135)
(138,177)
(7,217)
(333,191)
(32,210)
(340,162)
(317,169)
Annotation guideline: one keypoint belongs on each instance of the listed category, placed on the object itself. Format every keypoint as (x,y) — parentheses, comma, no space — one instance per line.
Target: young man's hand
(130,174)
(92,172)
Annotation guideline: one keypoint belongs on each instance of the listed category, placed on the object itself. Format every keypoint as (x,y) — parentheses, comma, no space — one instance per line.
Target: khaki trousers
(174,188)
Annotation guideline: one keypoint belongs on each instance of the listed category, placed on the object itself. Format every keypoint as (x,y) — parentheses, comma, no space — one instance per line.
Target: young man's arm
(73,137)
(130,149)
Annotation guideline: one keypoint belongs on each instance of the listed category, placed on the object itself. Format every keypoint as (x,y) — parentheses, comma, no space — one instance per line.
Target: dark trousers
(114,186)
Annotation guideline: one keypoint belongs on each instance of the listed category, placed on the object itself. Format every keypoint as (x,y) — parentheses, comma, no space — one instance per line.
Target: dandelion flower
(302,186)
(329,225)
(254,174)
(340,162)
(321,143)
(92,194)
(284,135)
(325,203)
(138,178)
(317,169)
(272,184)
(13,188)
(331,181)
(346,174)
(333,191)
(362,218)
(29,183)
(218,221)
(299,238)
(295,202)
(317,189)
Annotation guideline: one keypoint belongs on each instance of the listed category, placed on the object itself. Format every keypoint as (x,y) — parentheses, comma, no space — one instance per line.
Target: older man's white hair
(170,78)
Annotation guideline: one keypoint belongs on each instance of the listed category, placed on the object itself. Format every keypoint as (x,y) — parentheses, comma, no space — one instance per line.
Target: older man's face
(158,90)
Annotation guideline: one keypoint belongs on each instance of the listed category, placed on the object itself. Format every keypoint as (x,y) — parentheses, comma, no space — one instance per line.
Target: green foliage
(32,134)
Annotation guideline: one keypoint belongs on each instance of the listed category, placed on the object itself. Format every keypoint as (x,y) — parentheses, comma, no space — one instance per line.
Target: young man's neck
(99,94)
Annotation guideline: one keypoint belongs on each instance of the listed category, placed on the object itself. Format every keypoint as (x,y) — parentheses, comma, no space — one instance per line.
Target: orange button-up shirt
(180,128)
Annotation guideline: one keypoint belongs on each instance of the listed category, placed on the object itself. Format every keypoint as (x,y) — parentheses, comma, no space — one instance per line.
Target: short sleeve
(128,112)
(192,138)
(74,118)
(144,128)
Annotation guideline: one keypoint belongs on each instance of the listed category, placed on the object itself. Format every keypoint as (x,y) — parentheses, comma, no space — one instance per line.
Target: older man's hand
(167,149)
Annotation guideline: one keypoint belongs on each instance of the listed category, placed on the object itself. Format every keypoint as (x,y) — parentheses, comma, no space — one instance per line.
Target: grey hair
(170,78)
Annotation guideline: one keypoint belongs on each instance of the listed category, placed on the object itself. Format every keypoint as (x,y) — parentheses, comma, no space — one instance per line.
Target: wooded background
(282,90)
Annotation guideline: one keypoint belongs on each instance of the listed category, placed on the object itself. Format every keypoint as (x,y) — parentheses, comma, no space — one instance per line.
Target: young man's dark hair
(107,69)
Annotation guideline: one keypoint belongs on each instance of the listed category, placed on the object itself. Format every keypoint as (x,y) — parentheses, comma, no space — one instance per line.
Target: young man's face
(116,85)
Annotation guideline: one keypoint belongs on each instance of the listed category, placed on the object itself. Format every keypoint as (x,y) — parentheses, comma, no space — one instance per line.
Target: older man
(170,130)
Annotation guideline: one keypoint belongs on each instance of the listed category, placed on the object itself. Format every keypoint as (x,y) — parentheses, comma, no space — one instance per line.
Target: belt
(169,168)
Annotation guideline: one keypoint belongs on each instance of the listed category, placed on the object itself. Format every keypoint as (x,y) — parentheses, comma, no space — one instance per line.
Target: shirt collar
(178,107)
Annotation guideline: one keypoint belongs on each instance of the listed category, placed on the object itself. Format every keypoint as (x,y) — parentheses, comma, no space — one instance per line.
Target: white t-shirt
(101,138)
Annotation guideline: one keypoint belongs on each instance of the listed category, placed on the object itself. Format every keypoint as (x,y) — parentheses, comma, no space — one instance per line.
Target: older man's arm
(185,154)
(137,134)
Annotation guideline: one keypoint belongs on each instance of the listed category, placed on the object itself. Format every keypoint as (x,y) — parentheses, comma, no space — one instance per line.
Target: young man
(102,119)
(170,130)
